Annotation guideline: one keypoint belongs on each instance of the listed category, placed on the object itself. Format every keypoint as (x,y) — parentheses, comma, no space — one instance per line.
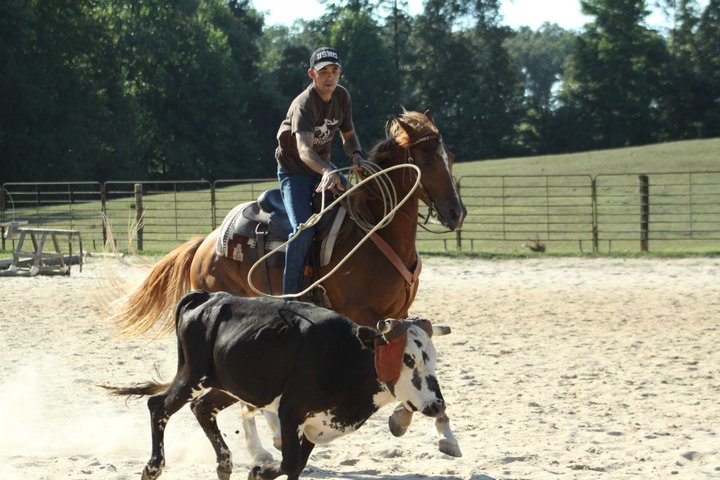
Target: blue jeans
(297,194)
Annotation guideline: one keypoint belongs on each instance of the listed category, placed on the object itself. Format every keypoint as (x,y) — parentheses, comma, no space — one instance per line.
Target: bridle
(432,211)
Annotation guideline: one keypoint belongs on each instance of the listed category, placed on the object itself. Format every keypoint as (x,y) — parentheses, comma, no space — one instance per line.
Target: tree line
(160,89)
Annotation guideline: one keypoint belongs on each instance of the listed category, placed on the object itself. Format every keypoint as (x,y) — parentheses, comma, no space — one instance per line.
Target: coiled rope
(389,196)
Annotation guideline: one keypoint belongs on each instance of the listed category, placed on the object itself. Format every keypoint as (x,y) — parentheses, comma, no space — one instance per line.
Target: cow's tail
(153,301)
(149,388)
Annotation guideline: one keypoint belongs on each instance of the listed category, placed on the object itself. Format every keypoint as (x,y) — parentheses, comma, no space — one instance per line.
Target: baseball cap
(324,56)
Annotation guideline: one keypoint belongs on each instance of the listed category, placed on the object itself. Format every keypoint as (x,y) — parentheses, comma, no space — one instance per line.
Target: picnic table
(45,255)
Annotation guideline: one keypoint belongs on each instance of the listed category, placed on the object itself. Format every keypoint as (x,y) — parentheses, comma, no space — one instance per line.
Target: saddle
(253,229)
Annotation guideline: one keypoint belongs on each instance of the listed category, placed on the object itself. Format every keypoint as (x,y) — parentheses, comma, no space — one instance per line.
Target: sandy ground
(556,368)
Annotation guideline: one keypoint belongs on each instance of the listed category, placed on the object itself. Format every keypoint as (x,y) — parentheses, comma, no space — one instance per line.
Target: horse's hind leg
(206,407)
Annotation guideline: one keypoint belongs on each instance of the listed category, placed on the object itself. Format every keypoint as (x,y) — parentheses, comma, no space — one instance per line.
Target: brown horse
(371,285)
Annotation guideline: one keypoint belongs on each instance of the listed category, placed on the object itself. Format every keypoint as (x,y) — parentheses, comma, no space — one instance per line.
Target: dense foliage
(119,89)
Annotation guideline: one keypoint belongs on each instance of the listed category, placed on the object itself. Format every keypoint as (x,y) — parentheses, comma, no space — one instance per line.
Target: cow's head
(405,360)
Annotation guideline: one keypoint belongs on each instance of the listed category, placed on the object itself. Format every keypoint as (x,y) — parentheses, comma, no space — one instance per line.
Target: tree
(709,68)
(61,100)
(460,68)
(540,58)
(613,86)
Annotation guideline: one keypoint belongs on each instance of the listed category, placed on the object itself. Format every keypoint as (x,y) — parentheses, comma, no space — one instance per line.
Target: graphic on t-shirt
(323,132)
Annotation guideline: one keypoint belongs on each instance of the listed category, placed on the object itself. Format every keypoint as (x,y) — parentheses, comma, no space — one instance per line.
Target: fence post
(594,214)
(458,232)
(139,214)
(644,212)
(103,209)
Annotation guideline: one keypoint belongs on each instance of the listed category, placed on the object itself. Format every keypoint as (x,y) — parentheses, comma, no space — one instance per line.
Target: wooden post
(594,208)
(644,213)
(139,215)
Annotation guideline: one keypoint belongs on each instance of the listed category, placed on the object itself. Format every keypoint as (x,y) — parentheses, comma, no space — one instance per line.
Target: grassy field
(513,201)
(510,202)
(686,156)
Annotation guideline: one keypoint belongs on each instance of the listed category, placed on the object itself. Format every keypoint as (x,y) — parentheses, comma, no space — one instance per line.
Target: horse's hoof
(396,428)
(449,448)
(254,473)
(399,421)
(263,458)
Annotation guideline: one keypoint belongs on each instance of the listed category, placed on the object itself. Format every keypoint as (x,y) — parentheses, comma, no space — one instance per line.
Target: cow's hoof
(150,473)
(223,473)
(449,448)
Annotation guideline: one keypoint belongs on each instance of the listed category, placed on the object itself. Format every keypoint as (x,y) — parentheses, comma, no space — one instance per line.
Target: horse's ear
(428,114)
(405,126)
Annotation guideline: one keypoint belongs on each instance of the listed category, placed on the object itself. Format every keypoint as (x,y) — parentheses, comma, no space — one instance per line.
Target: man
(303,152)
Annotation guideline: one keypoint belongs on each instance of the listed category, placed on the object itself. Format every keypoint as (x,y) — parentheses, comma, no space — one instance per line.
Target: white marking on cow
(412,388)
(322,428)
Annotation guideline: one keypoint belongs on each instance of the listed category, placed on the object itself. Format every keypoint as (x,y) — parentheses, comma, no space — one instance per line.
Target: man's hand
(330,181)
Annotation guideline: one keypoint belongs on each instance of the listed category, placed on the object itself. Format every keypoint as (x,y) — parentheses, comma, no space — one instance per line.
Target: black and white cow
(322,373)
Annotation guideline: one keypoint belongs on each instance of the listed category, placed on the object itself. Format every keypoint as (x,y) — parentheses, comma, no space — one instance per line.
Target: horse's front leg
(252,439)
(273,422)
(401,419)
(447,442)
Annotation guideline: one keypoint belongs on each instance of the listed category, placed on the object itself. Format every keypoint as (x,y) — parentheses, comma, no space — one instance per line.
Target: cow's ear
(367,336)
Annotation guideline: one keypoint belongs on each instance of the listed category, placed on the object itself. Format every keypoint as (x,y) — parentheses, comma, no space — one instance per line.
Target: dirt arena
(556,368)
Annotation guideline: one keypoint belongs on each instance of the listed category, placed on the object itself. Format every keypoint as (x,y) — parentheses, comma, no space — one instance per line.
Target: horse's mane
(398,139)
(390,152)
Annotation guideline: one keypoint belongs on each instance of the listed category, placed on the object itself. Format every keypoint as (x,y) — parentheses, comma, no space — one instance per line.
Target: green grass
(508,198)
(685,156)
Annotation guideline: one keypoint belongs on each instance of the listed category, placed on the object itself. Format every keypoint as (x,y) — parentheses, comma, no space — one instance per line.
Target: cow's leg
(162,407)
(294,454)
(447,442)
(206,407)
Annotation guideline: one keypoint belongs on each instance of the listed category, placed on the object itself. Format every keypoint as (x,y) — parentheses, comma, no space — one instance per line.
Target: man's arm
(351,146)
(330,180)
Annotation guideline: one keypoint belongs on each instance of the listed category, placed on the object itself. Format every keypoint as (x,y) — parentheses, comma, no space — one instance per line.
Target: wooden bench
(37,260)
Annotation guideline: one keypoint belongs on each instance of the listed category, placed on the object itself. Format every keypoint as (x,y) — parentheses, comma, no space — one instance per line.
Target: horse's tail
(149,388)
(154,300)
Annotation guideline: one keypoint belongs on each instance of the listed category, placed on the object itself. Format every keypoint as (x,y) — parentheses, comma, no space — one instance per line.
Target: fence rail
(565,213)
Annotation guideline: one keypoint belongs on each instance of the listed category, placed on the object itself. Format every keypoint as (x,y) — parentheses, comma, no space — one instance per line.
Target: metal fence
(563,213)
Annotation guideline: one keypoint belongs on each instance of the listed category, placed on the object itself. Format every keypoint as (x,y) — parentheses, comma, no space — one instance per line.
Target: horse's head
(416,132)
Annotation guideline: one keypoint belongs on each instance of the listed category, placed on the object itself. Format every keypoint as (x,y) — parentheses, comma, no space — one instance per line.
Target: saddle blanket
(236,240)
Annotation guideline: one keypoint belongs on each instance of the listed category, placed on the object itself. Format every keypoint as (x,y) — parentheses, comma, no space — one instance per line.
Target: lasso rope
(388,193)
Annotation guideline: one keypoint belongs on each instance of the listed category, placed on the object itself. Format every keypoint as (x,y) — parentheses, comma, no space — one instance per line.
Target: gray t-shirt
(309,113)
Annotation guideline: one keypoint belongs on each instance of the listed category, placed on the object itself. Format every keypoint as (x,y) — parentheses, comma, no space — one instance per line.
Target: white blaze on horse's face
(443,154)
(418,388)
